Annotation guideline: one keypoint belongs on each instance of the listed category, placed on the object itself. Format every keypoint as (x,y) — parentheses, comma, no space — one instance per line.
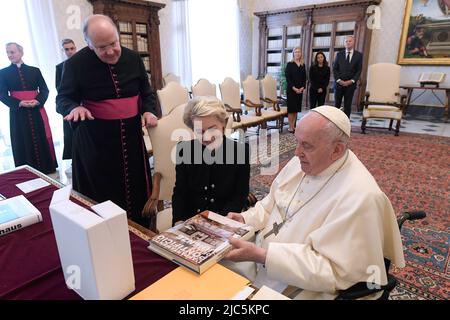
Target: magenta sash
(31,95)
(113,109)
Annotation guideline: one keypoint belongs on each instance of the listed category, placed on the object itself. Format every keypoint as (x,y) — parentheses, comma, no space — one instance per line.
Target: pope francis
(325,224)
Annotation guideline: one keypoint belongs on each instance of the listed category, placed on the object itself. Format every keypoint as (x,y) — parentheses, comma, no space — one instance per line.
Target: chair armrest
(150,207)
(274,103)
(403,99)
(366,99)
(251,200)
(413,215)
(236,112)
(362,289)
(230,109)
(257,107)
(281,99)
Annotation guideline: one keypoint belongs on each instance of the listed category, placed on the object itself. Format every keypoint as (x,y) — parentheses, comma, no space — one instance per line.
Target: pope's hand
(79,113)
(246,251)
(236,217)
(149,120)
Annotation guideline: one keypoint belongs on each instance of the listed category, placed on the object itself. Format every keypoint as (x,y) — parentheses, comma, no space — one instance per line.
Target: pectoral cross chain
(276,228)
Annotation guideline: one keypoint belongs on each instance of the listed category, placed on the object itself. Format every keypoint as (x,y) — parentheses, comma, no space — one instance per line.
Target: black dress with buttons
(110,161)
(219,183)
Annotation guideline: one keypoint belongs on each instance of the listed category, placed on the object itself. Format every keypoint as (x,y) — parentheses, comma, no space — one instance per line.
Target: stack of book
(199,242)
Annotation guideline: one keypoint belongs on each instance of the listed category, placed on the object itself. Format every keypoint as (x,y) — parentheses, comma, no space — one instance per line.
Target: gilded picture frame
(425,36)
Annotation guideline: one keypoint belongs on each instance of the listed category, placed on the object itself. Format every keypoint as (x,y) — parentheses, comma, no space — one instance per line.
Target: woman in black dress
(319,78)
(212,171)
(296,82)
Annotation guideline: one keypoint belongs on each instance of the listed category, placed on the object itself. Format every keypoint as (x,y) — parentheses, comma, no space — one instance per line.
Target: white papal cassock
(332,242)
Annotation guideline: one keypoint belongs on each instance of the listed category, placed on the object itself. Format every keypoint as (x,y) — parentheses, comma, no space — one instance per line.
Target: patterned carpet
(414,171)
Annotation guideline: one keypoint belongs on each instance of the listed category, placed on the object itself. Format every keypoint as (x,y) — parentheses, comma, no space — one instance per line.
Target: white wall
(65,13)
(64,10)
(246,9)
(384,47)
(386,42)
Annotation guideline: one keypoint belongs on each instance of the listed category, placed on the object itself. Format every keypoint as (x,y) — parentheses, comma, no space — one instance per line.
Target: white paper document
(265,293)
(32,185)
(243,294)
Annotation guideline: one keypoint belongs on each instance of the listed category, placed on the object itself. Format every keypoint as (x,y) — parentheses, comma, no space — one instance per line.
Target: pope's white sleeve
(300,266)
(258,215)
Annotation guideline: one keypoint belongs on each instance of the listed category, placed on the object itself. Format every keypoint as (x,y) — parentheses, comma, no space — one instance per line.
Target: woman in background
(212,171)
(296,82)
(319,78)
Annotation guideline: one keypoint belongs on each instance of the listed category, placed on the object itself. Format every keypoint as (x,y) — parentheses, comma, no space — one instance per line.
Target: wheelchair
(363,289)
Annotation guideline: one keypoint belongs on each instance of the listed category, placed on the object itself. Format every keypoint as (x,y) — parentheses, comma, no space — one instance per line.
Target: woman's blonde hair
(302,61)
(204,107)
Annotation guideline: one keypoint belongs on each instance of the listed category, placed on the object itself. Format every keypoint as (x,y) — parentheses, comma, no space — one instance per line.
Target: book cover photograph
(200,241)
(17,213)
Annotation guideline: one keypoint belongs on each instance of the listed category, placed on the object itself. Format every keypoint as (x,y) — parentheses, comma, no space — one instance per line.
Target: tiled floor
(63,173)
(408,125)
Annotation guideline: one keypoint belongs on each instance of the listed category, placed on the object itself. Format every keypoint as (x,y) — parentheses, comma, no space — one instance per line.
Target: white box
(95,245)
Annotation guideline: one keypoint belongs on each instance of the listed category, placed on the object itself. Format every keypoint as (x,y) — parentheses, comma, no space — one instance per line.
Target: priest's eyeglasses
(104,49)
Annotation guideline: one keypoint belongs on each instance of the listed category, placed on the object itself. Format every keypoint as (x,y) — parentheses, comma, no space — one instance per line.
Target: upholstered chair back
(164,138)
(251,90)
(204,88)
(171,96)
(170,77)
(383,82)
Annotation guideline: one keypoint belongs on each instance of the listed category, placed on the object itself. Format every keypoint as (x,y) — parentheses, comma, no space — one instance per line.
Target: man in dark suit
(347,70)
(69,48)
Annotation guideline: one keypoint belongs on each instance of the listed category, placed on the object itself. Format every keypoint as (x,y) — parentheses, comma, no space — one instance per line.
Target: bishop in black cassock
(109,156)
(31,137)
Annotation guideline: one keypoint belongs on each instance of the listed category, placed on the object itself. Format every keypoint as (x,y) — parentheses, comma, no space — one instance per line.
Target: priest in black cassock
(24,91)
(69,49)
(106,95)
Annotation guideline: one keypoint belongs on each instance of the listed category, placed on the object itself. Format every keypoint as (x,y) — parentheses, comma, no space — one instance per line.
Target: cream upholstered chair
(170,77)
(231,97)
(171,96)
(383,100)
(204,88)
(164,138)
(147,142)
(252,101)
(269,91)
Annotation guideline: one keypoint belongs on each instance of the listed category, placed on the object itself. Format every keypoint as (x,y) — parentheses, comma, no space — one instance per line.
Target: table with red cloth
(29,260)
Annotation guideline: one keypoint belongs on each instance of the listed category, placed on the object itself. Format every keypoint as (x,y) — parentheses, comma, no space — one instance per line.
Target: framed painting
(426,33)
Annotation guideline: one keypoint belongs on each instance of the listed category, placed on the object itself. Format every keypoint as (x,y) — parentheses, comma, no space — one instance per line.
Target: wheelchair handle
(415,215)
